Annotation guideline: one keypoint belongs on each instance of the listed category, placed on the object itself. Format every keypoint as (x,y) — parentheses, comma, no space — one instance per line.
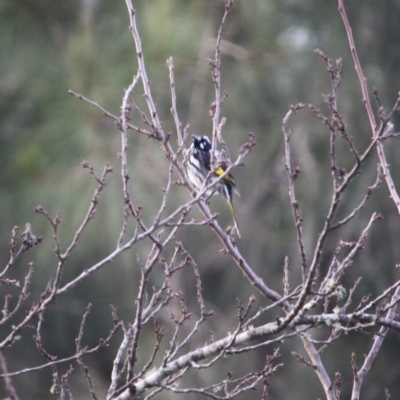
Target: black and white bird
(198,169)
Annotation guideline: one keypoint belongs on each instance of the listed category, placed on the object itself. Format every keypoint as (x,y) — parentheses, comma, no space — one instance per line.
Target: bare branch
(292,176)
(367,103)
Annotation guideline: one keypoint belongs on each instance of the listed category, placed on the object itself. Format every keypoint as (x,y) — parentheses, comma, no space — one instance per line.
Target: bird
(198,169)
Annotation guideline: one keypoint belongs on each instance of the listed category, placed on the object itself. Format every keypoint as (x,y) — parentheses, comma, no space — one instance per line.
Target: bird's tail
(234,216)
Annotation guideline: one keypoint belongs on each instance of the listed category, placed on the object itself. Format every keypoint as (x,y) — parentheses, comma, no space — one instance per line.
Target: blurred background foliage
(48,47)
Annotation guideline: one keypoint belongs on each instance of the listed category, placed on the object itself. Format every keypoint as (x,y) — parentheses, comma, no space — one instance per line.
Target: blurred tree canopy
(48,47)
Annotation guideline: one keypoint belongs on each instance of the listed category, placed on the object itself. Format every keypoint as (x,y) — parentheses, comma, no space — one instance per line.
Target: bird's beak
(195,138)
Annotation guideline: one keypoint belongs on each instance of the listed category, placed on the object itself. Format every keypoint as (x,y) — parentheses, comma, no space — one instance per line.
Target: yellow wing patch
(219,171)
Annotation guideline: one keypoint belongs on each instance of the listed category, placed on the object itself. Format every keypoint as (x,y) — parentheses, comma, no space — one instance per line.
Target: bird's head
(202,143)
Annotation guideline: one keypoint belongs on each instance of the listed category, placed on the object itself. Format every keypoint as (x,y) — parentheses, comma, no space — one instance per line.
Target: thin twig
(367,103)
